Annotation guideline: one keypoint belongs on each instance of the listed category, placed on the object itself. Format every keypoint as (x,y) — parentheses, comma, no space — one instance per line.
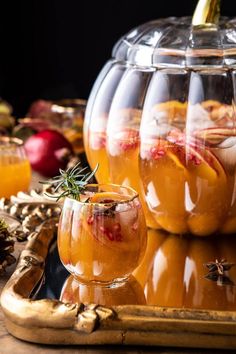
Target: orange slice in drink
(207,184)
(123,229)
(204,164)
(107,198)
(171,222)
(172,109)
(163,176)
(186,186)
(214,135)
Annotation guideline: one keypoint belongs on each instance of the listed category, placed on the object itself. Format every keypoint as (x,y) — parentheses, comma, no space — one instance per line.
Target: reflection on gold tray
(34,313)
(189,272)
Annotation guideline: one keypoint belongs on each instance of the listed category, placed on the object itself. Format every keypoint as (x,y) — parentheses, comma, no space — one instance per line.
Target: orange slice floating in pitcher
(208,191)
(171,109)
(214,135)
(163,176)
(189,184)
(195,167)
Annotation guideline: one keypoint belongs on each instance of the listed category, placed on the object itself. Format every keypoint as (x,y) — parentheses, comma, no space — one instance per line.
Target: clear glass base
(114,283)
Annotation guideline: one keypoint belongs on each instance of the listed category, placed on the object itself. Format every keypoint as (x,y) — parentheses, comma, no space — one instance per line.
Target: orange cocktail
(188,178)
(102,238)
(95,146)
(14,167)
(123,161)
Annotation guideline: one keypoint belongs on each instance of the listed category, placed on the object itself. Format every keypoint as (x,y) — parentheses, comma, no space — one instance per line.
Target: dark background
(54,49)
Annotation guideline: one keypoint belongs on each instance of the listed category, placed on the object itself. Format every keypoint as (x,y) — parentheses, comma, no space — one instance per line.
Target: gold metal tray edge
(54,322)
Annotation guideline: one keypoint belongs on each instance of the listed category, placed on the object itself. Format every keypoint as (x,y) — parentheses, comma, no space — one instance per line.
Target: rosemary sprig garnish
(71,182)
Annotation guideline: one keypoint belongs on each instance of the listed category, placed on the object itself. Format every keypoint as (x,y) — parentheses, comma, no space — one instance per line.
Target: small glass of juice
(15,169)
(102,236)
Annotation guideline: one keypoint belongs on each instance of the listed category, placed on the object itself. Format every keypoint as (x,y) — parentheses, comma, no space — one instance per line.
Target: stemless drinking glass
(102,237)
(14,167)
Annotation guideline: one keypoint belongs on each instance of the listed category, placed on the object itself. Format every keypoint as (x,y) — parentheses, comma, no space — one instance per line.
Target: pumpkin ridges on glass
(182,95)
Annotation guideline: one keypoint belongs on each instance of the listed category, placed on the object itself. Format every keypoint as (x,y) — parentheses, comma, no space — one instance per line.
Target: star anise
(108,211)
(219,266)
(217,272)
(219,279)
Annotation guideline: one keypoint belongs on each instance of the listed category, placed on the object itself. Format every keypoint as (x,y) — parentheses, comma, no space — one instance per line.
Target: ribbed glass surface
(162,119)
(175,42)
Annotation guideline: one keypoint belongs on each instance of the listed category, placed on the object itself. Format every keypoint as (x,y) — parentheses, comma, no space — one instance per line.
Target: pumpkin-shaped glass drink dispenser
(161,118)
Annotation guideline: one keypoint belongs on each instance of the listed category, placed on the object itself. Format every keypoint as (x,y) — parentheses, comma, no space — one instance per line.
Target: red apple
(47,152)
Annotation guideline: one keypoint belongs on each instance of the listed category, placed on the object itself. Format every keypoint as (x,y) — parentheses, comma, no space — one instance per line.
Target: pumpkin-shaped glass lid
(206,39)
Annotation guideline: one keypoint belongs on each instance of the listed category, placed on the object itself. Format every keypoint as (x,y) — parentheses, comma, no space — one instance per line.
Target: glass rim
(130,199)
(8,141)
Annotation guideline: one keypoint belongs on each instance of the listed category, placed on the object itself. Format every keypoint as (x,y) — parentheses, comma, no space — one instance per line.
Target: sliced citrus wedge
(172,109)
(214,135)
(189,156)
(203,164)
(176,160)
(107,197)
(186,186)
(163,175)
(208,189)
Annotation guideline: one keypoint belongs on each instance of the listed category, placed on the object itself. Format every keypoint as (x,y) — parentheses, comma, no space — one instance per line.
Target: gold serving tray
(51,321)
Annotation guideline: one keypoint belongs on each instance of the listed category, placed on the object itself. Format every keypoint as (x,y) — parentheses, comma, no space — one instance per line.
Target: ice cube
(226,153)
